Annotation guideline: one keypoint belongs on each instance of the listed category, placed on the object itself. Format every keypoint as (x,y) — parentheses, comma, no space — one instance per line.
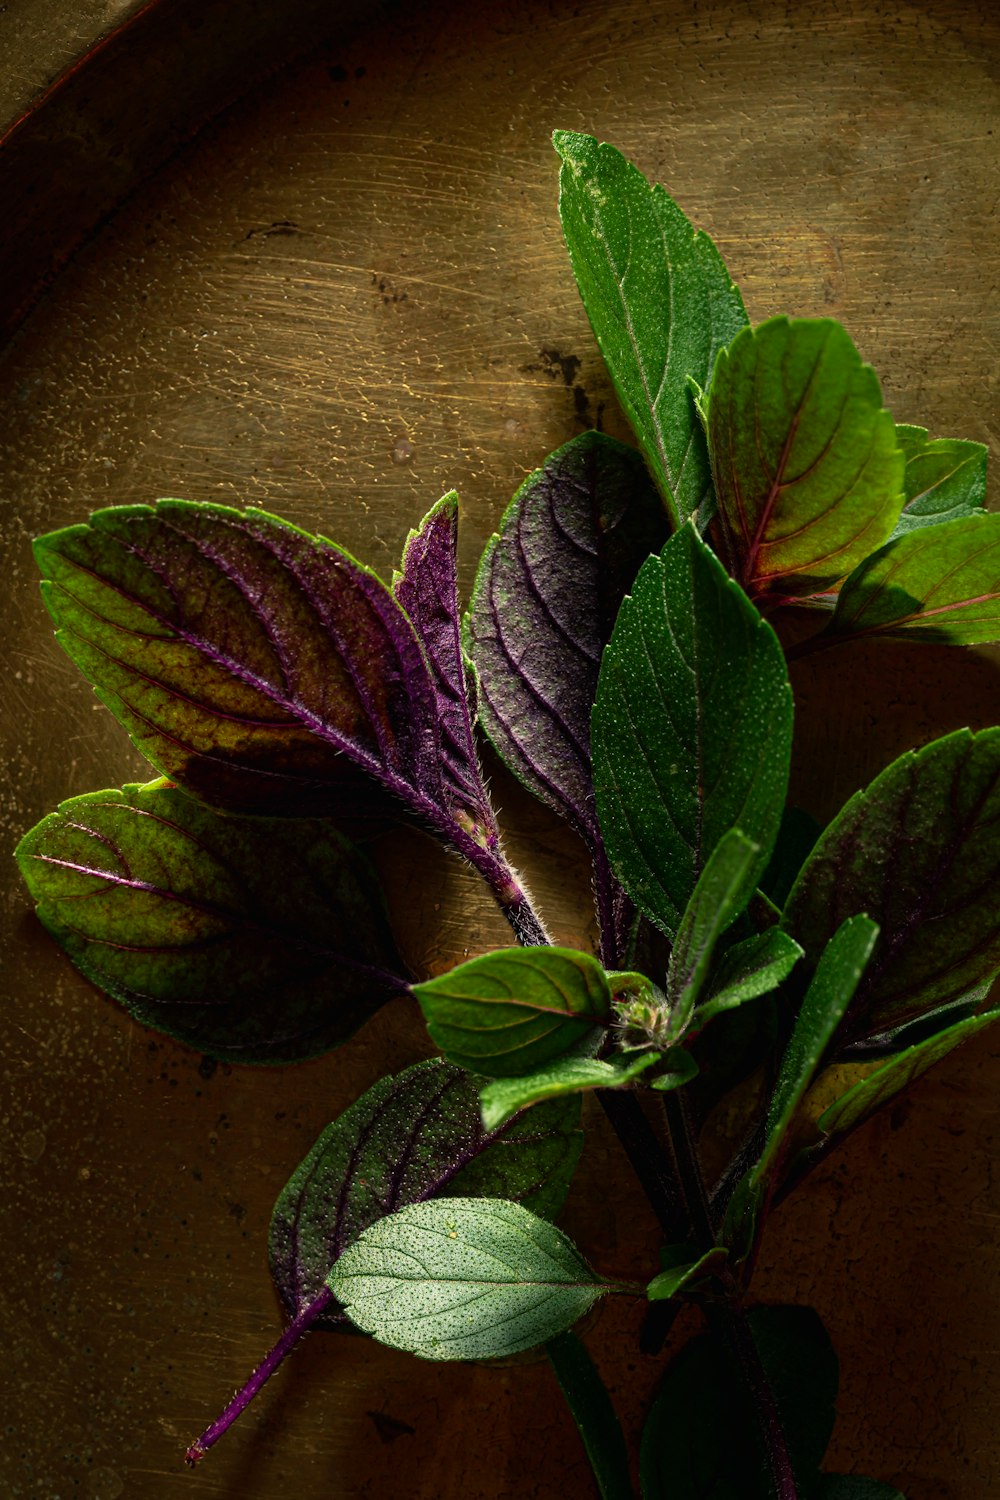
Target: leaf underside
(464,1278)
(411,1137)
(427,588)
(807,473)
(545,600)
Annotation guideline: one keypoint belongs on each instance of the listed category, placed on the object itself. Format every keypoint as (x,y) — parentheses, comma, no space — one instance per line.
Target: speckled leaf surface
(919,851)
(808,476)
(411,1137)
(692,727)
(833,986)
(568,1075)
(659,299)
(427,588)
(509,1012)
(747,971)
(724,887)
(464,1278)
(547,592)
(252,939)
(245,657)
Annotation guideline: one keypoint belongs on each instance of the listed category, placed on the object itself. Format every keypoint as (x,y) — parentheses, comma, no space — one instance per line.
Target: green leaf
(939,583)
(871,1093)
(678,1068)
(701,1441)
(827,998)
(724,887)
(808,476)
(748,970)
(919,851)
(588,1400)
(945,478)
(660,301)
(855,1487)
(513,1011)
(672,1282)
(692,727)
(253,939)
(567,1075)
(464,1278)
(414,1136)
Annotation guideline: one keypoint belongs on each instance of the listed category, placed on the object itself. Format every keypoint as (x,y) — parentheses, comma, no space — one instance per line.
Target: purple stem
(295,1330)
(731,1324)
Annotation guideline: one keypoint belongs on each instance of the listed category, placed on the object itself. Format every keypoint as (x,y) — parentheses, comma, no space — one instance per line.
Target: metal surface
(346,296)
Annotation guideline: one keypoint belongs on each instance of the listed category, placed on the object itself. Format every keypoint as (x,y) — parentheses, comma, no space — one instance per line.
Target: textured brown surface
(349,295)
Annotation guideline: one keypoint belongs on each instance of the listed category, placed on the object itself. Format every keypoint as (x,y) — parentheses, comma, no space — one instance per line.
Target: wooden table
(346,295)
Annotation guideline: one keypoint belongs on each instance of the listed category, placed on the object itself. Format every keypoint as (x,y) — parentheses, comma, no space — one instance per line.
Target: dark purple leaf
(246,658)
(411,1137)
(546,596)
(253,939)
(426,587)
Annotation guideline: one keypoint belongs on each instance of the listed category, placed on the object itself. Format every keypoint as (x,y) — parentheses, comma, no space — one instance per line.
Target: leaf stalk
(299,1326)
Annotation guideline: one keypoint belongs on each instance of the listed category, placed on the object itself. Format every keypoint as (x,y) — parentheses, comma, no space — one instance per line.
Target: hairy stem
(295,1330)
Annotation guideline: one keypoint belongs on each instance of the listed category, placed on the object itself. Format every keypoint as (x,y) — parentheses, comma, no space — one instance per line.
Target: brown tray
(347,294)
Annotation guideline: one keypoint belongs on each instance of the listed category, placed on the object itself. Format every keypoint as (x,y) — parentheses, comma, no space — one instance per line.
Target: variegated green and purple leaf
(808,475)
(250,661)
(919,851)
(939,584)
(252,939)
(427,588)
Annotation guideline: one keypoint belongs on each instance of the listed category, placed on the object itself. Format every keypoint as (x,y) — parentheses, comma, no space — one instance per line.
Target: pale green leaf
(464,1278)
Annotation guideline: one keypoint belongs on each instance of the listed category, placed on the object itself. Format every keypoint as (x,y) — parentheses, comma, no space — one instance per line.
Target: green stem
(588,1400)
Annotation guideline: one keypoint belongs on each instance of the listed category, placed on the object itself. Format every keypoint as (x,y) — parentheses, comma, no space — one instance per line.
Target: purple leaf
(548,590)
(252,939)
(246,658)
(411,1137)
(426,587)
(545,600)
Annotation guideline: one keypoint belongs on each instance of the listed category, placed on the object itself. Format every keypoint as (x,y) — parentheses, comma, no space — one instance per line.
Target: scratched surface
(348,295)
